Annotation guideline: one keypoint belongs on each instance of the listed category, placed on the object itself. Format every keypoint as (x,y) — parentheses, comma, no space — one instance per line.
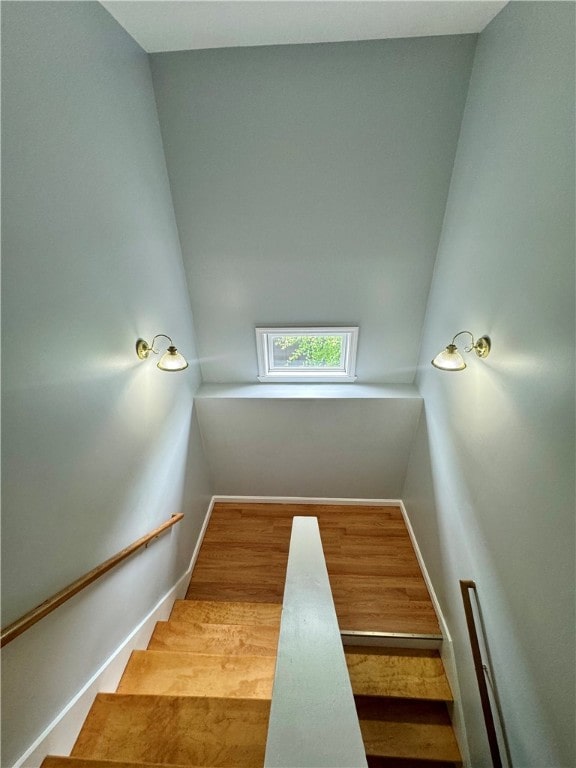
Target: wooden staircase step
(395,728)
(251,592)
(226,639)
(215,612)
(55,761)
(398,673)
(187,674)
(172,730)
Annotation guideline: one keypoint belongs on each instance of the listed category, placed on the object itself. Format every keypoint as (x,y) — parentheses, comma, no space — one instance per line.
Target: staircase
(401,698)
(200,696)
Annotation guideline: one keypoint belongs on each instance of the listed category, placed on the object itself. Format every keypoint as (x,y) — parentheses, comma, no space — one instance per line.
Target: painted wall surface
(98,447)
(490,485)
(309,185)
(334,447)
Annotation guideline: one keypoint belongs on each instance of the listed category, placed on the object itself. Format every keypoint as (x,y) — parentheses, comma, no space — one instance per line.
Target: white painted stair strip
(313,720)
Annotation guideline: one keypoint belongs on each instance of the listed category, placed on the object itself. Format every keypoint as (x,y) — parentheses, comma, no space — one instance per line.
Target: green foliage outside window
(311,351)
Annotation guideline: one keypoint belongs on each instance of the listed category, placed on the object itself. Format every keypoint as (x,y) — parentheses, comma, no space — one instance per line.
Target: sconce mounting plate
(482,346)
(142,349)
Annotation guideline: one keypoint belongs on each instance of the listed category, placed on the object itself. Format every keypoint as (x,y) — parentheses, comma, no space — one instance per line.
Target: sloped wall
(309,186)
(98,447)
(490,486)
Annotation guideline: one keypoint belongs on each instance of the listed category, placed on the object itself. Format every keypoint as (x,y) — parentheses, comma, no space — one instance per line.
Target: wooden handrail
(29,619)
(465,587)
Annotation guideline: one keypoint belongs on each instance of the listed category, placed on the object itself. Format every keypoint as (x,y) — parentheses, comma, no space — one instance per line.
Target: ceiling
(165,25)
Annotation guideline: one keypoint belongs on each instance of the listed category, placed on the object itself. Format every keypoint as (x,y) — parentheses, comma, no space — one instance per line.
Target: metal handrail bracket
(313,719)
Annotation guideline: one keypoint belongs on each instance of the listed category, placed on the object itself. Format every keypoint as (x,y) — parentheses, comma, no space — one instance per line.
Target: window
(306,354)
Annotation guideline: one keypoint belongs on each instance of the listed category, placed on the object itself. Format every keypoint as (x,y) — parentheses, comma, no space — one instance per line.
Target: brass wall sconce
(451,360)
(171,360)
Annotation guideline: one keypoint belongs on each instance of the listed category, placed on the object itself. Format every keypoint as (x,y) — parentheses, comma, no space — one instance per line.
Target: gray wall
(97,447)
(308,441)
(490,487)
(309,185)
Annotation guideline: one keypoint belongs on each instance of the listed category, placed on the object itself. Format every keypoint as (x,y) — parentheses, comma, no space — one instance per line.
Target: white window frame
(267,373)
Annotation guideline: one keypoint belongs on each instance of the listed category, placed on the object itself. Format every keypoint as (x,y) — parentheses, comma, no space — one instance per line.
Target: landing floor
(376,580)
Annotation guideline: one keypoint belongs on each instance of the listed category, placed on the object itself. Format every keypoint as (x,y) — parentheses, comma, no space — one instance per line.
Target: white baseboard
(201,535)
(306,500)
(446,650)
(59,737)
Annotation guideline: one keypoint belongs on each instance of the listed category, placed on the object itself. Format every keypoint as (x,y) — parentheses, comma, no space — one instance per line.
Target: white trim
(314,377)
(306,500)
(422,564)
(201,535)
(267,372)
(446,651)
(59,736)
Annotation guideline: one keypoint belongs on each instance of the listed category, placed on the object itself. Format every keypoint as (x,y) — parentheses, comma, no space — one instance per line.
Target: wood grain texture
(175,730)
(217,612)
(376,581)
(407,729)
(226,639)
(55,761)
(186,674)
(397,673)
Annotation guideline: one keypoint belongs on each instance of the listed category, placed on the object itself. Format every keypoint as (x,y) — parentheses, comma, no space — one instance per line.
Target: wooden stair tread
(397,673)
(202,637)
(407,729)
(172,730)
(216,612)
(56,761)
(188,674)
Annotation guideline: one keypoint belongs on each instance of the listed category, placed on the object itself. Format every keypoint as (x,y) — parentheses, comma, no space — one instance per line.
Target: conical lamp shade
(172,360)
(449,359)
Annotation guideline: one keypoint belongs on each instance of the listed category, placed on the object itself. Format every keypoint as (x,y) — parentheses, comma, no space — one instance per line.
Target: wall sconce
(451,360)
(171,360)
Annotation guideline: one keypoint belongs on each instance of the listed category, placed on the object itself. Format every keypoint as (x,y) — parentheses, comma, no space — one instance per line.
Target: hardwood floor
(376,581)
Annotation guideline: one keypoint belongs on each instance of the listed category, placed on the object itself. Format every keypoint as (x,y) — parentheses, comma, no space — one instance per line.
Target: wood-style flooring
(376,581)
(184,703)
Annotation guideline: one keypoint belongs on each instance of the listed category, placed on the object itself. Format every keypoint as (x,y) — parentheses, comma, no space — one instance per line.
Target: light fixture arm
(158,336)
(466,349)
(143,349)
